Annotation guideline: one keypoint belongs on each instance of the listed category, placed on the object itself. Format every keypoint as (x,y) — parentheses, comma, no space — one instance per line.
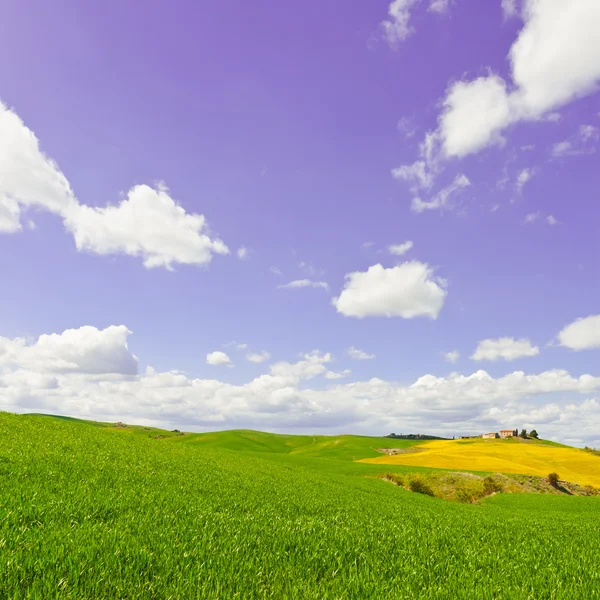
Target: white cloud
(588,132)
(400,249)
(397,27)
(537,216)
(303,283)
(218,358)
(555,59)
(358,354)
(509,9)
(281,399)
(582,334)
(442,198)
(452,357)
(258,357)
(148,223)
(564,148)
(242,253)
(236,345)
(275,271)
(84,350)
(439,6)
(407,127)
(505,348)
(334,375)
(523,178)
(419,173)
(407,290)
(531,218)
(310,269)
(581,142)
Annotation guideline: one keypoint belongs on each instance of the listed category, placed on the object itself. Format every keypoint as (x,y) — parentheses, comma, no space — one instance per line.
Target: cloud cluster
(55,375)
(148,223)
(555,59)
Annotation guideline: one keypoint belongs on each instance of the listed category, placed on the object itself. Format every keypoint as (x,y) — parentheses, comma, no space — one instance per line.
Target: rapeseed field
(502,456)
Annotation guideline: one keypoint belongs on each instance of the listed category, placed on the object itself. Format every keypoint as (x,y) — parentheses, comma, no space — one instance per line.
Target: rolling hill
(90,510)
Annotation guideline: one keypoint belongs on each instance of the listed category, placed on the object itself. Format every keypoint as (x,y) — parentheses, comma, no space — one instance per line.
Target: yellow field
(502,456)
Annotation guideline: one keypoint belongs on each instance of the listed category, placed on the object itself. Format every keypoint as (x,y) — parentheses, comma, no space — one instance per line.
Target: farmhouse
(506,433)
(490,435)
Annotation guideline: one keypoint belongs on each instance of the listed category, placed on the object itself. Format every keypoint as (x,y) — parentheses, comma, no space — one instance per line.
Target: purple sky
(310,141)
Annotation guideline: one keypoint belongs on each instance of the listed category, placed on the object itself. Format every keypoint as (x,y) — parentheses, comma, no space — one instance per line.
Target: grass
(503,456)
(91,511)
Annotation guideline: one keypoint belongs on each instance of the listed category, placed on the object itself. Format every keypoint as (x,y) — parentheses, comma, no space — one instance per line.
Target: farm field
(92,511)
(502,456)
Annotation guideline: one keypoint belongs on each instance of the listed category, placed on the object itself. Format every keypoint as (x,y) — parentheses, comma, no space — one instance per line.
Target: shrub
(490,486)
(419,485)
(394,478)
(553,479)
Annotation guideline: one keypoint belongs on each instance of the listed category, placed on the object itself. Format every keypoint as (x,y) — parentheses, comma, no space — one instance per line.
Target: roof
(503,430)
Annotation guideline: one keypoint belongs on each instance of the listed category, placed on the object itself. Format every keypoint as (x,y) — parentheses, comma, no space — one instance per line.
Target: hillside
(502,456)
(93,511)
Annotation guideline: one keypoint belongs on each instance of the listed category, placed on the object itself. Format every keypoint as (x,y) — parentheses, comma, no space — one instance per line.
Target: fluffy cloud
(358,354)
(555,59)
(84,350)
(400,249)
(258,357)
(148,223)
(582,334)
(281,399)
(407,290)
(452,356)
(505,348)
(218,358)
(303,283)
(442,199)
(27,177)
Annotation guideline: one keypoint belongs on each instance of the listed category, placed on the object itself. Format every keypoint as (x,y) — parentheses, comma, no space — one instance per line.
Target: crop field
(90,511)
(503,456)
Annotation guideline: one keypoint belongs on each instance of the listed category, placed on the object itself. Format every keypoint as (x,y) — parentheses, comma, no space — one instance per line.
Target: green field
(90,511)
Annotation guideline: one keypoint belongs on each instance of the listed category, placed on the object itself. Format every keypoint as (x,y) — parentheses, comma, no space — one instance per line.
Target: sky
(319,218)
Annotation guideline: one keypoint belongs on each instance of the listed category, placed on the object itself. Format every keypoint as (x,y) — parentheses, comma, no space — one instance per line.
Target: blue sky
(168,173)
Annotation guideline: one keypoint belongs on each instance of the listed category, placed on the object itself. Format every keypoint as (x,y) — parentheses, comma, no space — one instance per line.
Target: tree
(553,479)
(534,434)
(523,433)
